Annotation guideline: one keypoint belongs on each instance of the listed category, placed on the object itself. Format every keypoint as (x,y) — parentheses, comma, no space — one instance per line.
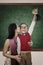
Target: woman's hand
(18,58)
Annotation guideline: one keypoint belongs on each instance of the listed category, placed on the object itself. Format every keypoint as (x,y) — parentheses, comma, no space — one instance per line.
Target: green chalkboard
(18,14)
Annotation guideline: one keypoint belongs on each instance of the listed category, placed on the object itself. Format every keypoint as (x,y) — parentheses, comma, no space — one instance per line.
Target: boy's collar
(23,33)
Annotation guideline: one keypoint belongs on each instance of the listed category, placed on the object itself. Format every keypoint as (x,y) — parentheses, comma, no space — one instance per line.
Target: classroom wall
(37,58)
(21,1)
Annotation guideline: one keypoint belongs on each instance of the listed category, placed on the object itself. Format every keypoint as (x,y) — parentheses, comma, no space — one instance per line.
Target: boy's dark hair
(11,30)
(38,17)
(23,23)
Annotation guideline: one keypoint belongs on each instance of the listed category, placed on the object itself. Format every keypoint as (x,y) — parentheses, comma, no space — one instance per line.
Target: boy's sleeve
(18,45)
(31,28)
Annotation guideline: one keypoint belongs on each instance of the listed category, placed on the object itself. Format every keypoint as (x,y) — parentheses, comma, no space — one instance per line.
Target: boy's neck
(23,33)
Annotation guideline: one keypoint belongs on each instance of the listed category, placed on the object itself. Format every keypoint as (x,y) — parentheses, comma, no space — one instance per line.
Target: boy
(26,44)
(25,41)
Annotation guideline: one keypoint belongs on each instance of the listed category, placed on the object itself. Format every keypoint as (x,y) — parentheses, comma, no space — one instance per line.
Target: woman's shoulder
(7,41)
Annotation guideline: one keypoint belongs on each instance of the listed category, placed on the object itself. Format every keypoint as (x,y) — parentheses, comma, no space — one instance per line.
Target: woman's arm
(5,50)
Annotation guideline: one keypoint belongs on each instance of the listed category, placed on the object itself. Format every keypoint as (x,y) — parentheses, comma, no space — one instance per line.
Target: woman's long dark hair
(11,30)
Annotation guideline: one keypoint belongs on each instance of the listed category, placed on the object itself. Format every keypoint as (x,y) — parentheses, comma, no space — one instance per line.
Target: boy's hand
(30,43)
(35,11)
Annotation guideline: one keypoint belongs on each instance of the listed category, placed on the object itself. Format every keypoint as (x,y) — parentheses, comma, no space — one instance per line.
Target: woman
(11,44)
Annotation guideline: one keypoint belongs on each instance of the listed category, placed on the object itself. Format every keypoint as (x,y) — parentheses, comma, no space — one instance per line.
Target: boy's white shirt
(31,28)
(18,45)
(30,31)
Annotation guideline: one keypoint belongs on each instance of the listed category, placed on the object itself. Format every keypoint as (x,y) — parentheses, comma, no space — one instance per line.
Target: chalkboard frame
(21,4)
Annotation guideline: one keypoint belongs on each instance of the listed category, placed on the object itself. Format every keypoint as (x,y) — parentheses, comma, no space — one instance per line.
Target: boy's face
(23,28)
